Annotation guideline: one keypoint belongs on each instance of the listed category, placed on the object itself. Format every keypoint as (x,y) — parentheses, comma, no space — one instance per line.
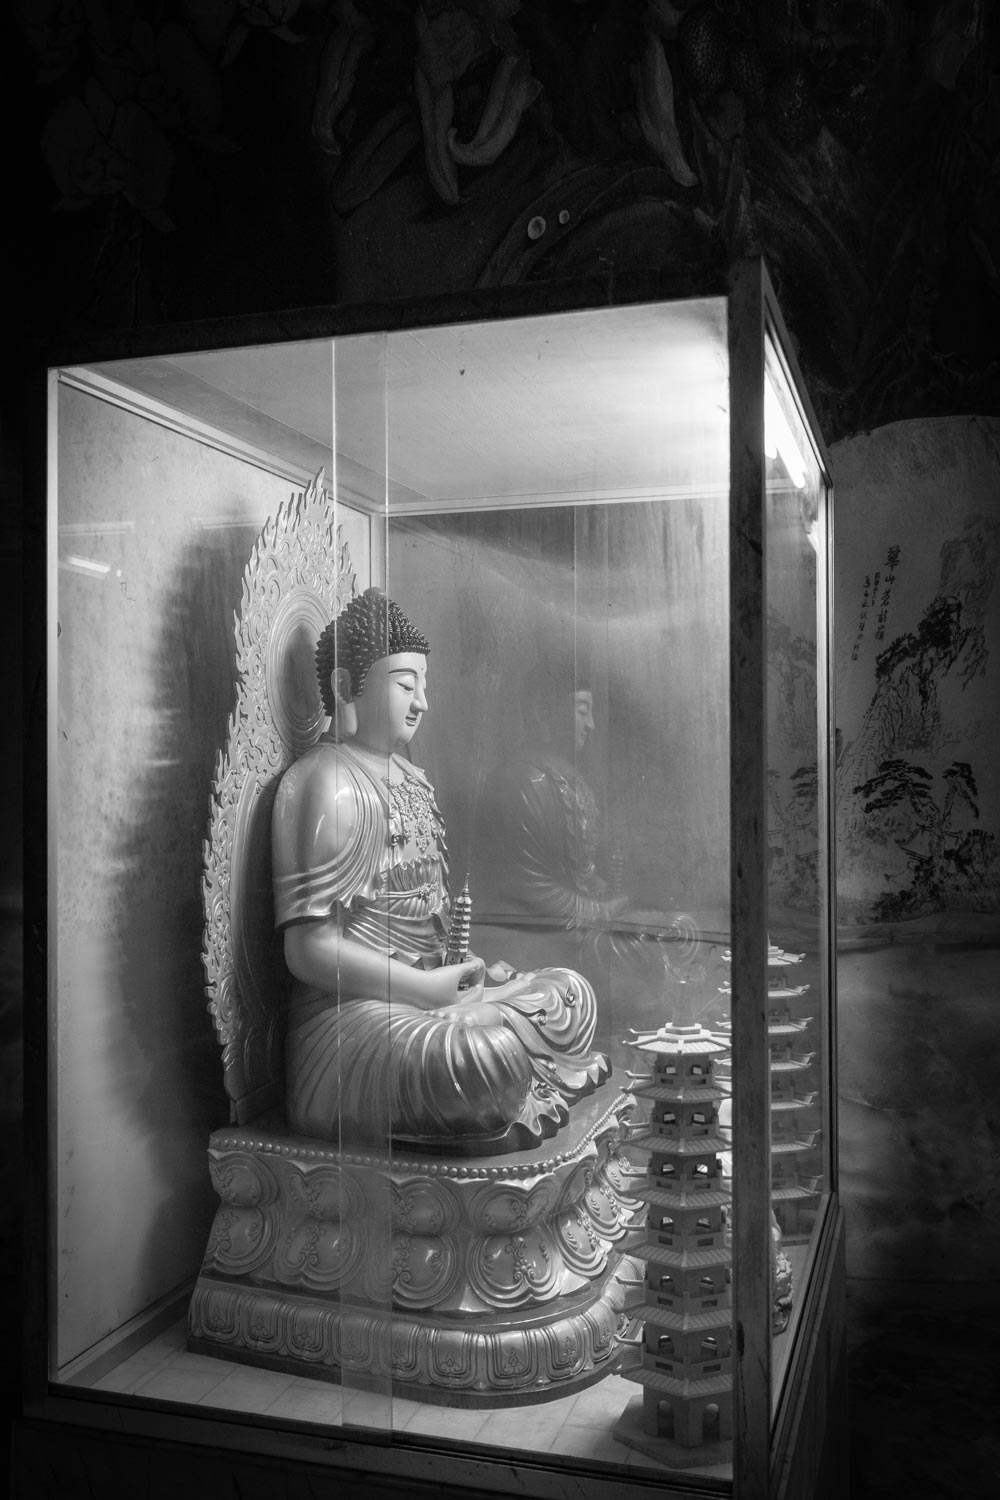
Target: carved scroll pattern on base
(478,1364)
(454,1246)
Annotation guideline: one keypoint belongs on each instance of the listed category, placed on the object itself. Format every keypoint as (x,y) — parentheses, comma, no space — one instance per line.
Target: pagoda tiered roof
(716,1385)
(684,1260)
(804,1143)
(677,1042)
(672,1321)
(793,1064)
(659,1197)
(677,1093)
(672,1145)
(776,1024)
(776,957)
(787,1193)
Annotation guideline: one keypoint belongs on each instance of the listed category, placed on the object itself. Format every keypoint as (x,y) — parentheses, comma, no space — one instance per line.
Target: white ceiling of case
(618,403)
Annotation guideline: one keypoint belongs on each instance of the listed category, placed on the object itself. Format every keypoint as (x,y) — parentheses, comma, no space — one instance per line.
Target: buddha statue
(422,1181)
(384,1037)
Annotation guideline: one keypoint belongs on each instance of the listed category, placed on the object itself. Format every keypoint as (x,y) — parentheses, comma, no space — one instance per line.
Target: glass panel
(798,1002)
(558,530)
(458,1246)
(165,472)
(337,1057)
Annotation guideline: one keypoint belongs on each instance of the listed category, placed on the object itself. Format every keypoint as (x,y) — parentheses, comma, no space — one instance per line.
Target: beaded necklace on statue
(411,810)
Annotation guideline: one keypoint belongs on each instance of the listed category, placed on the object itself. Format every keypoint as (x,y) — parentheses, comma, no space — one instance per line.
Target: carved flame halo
(298,577)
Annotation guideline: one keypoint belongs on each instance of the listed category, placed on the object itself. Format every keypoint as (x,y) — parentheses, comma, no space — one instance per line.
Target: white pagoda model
(460,928)
(795,1181)
(686,1350)
(792,1139)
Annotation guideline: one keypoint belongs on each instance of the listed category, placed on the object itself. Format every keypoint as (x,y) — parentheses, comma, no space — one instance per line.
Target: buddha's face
(393,702)
(583,717)
(565,721)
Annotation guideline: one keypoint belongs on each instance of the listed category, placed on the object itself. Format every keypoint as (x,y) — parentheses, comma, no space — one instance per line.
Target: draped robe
(361,842)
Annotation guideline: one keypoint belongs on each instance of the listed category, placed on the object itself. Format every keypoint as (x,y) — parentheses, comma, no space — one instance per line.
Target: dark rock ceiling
(189,158)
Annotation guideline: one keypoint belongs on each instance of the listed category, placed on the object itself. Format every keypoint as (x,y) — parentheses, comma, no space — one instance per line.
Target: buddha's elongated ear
(345,720)
(340,683)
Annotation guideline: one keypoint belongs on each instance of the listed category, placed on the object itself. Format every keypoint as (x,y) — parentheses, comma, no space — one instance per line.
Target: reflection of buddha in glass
(550,823)
(361,895)
(553,863)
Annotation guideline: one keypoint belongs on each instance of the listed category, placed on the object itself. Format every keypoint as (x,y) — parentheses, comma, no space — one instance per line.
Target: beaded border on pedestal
(271,1143)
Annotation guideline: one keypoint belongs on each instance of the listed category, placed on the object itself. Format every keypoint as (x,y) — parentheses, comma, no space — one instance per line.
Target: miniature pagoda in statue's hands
(460,927)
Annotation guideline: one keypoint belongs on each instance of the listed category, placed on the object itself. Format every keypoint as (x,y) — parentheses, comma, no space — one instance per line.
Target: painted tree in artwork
(930,826)
(907,814)
(793,835)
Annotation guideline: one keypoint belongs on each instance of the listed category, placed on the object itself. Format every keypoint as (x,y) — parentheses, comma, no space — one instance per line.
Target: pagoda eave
(671,1386)
(661,1197)
(684,1260)
(788,1148)
(666,1145)
(689,1322)
(667,1093)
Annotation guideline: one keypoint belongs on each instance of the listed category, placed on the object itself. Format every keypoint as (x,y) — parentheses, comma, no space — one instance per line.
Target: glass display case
(434,926)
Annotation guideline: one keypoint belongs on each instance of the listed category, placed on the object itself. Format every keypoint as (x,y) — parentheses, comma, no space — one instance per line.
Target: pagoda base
(630,1430)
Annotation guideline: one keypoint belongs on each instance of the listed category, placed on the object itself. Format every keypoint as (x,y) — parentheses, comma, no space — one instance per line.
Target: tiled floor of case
(579,1426)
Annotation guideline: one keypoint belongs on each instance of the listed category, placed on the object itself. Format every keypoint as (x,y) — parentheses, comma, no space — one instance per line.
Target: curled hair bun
(371,627)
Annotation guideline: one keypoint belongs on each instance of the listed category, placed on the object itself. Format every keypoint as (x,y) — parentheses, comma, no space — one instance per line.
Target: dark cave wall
(188,160)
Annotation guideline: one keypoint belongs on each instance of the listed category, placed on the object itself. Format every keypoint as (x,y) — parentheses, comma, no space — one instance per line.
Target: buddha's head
(372,669)
(560,703)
